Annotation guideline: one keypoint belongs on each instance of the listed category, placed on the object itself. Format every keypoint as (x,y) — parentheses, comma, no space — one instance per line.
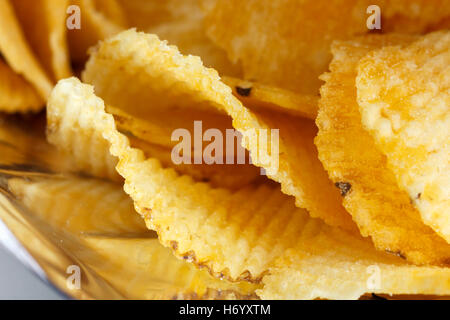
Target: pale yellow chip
(257,96)
(17,53)
(44,27)
(287,43)
(404,99)
(246,230)
(181,23)
(341,267)
(95,25)
(16,94)
(103,217)
(371,195)
(158,78)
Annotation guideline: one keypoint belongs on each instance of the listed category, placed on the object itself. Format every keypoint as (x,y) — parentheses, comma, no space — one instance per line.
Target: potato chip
(17,53)
(154,138)
(301,174)
(157,78)
(404,99)
(217,175)
(83,205)
(113,10)
(144,269)
(256,96)
(286,43)
(16,94)
(150,131)
(44,26)
(103,216)
(342,268)
(102,164)
(95,162)
(348,152)
(95,25)
(155,124)
(244,230)
(246,233)
(181,23)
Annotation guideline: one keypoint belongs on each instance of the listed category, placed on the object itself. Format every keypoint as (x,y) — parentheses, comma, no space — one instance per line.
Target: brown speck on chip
(397,253)
(245,92)
(344,187)
(174,245)
(419,195)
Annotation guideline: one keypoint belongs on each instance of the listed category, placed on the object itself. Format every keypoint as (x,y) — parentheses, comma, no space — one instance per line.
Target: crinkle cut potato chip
(104,217)
(44,25)
(250,228)
(187,215)
(286,43)
(18,54)
(157,77)
(95,25)
(342,268)
(84,205)
(16,94)
(371,194)
(404,99)
(180,23)
(256,96)
(190,219)
(300,172)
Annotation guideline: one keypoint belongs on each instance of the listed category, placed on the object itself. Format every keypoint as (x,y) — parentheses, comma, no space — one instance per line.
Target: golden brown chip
(404,99)
(348,152)
(44,26)
(257,96)
(244,230)
(286,43)
(158,78)
(16,94)
(17,53)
